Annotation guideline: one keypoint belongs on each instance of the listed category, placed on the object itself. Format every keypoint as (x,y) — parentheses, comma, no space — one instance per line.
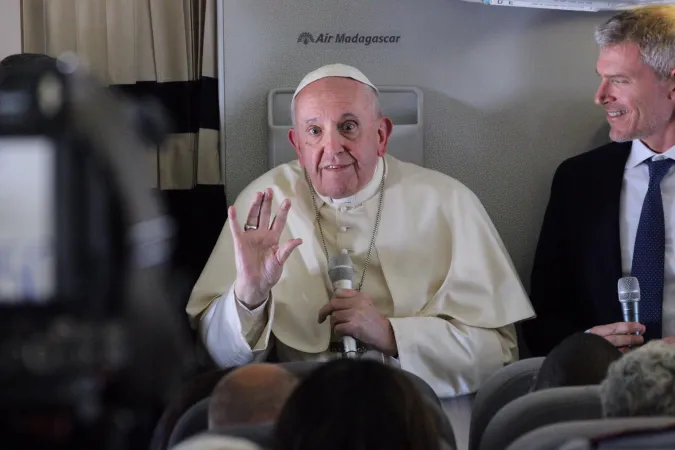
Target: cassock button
(343,229)
(343,208)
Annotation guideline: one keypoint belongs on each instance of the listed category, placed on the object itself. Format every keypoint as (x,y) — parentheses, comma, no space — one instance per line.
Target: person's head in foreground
(339,132)
(356,404)
(637,67)
(641,383)
(215,442)
(579,360)
(250,394)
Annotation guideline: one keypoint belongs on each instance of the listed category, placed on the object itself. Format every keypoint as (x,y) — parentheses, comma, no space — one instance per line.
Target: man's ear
(383,133)
(293,139)
(671,82)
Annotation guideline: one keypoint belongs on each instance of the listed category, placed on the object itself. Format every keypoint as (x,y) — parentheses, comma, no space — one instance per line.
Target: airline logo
(307,38)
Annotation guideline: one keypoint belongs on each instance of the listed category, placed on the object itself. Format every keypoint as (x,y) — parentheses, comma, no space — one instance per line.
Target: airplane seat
(195,419)
(262,434)
(187,415)
(505,385)
(608,434)
(194,390)
(538,409)
(192,422)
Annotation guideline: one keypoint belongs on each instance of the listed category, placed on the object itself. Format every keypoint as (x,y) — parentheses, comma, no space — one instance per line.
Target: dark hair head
(579,360)
(356,404)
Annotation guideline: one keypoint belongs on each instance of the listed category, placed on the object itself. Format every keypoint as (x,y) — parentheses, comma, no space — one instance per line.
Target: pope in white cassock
(435,290)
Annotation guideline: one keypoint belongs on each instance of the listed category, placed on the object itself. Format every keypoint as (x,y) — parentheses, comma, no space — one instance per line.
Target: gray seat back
(195,419)
(641,440)
(192,422)
(195,389)
(537,409)
(505,385)
(630,432)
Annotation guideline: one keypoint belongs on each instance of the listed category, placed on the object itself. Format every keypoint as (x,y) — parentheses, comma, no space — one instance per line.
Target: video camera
(89,343)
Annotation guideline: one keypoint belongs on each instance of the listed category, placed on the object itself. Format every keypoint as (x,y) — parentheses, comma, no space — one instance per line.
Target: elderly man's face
(639,104)
(338,135)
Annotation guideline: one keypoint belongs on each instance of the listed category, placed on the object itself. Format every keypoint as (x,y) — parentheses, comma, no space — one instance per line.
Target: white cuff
(245,309)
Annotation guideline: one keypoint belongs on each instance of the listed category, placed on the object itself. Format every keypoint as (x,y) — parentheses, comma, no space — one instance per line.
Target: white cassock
(439,271)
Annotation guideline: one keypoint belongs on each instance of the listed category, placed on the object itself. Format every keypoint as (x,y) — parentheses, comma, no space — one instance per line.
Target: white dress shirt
(633,192)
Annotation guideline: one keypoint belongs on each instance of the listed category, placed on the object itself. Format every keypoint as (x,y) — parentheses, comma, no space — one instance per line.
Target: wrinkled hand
(259,258)
(353,314)
(669,339)
(620,334)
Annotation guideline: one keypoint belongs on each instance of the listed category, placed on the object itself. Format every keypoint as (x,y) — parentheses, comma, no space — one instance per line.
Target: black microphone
(341,273)
(629,296)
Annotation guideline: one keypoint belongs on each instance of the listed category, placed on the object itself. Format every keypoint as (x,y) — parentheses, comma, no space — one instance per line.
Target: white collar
(367,192)
(639,152)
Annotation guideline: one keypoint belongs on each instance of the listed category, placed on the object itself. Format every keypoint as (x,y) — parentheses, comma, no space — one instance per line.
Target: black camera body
(88,338)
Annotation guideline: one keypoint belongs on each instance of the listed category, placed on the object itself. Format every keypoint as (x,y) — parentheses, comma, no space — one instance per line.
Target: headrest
(507,384)
(537,409)
(614,433)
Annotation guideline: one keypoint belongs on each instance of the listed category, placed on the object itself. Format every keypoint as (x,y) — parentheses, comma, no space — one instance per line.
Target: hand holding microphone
(353,314)
(341,273)
(629,332)
(629,297)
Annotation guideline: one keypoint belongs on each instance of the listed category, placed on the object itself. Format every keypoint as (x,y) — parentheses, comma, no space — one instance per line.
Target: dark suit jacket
(578,258)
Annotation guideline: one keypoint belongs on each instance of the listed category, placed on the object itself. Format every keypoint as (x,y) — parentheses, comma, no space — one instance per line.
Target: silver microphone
(629,296)
(341,273)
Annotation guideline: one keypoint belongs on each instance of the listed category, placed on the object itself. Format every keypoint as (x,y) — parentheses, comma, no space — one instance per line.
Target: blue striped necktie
(650,247)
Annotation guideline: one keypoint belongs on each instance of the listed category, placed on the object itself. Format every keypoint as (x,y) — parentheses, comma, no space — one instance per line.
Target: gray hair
(652,28)
(641,383)
(376,104)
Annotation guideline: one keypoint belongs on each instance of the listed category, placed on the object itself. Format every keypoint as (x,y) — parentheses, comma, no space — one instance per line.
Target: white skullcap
(333,70)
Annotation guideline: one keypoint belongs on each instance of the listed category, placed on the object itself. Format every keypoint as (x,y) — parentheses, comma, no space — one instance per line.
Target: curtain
(160,48)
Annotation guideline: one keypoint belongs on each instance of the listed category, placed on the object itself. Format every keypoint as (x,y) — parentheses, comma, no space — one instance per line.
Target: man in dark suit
(612,210)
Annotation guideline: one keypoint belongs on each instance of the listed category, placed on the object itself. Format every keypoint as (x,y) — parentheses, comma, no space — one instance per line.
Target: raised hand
(259,257)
